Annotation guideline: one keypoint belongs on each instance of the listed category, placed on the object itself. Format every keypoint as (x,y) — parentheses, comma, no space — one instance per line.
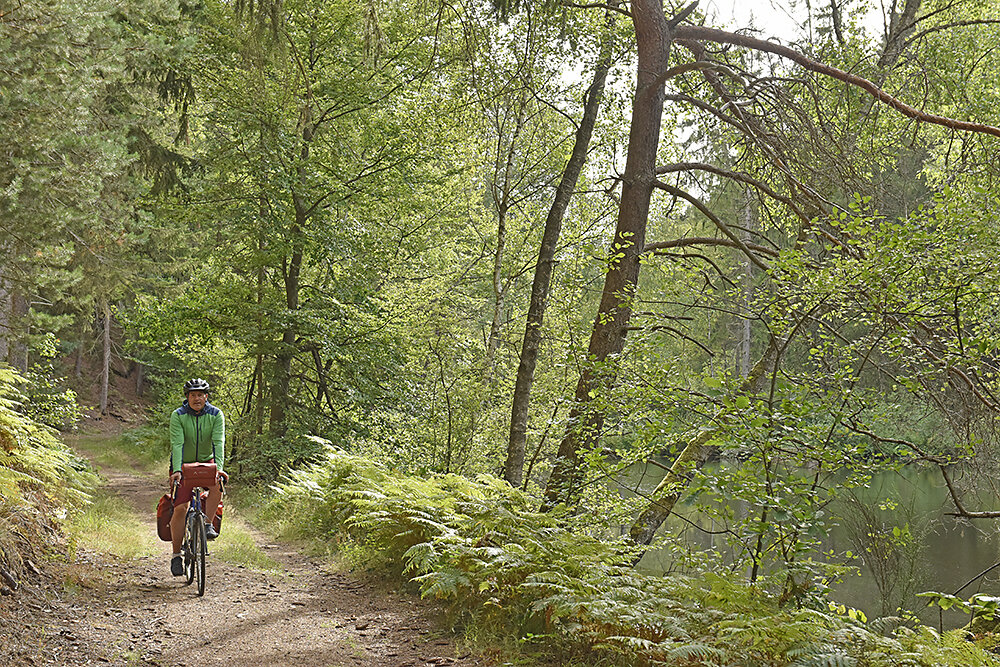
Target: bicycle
(195,545)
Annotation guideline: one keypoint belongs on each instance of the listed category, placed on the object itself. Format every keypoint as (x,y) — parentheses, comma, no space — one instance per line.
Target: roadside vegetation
(543,582)
(41,482)
(108,525)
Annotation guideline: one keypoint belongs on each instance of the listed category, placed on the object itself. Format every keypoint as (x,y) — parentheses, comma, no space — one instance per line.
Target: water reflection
(935,551)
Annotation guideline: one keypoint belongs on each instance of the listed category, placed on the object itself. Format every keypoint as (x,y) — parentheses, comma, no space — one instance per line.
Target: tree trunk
(283,360)
(255,395)
(106,356)
(6,329)
(608,336)
(502,189)
(140,378)
(261,397)
(514,467)
(19,342)
(78,362)
(692,457)
(291,272)
(747,222)
(901,26)
(499,293)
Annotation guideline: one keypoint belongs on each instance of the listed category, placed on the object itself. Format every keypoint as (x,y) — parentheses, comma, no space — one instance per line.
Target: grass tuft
(109,525)
(236,545)
(144,448)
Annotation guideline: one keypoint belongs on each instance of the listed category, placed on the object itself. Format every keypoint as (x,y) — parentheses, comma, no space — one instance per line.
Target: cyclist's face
(196,399)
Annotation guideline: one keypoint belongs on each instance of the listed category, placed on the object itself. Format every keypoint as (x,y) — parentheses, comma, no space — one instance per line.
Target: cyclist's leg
(212,504)
(177,525)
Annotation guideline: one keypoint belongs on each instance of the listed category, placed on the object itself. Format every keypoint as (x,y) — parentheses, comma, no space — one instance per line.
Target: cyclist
(197,434)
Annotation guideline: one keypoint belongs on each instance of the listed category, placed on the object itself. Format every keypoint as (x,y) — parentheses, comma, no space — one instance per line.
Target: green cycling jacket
(197,436)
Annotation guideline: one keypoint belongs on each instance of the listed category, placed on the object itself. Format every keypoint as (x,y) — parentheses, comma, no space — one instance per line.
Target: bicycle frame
(195,544)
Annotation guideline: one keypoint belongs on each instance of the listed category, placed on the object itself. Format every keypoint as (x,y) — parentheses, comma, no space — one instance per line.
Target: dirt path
(304,615)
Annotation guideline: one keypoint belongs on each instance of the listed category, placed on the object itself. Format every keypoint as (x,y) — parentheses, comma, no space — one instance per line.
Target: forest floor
(99,609)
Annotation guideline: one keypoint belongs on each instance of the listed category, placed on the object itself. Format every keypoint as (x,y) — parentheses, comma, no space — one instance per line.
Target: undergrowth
(39,480)
(145,448)
(506,572)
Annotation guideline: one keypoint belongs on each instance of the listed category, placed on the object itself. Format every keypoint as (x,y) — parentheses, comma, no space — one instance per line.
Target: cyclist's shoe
(210,532)
(177,566)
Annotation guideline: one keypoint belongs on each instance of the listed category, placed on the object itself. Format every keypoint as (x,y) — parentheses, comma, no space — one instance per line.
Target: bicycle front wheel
(190,538)
(201,550)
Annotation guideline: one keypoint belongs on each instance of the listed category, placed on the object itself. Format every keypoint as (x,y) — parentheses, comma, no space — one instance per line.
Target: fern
(39,478)
(479,546)
(826,660)
(421,558)
(694,651)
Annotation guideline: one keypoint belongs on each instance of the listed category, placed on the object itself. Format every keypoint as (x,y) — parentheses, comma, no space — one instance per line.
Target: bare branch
(682,15)
(707,212)
(736,176)
(723,37)
(949,26)
(706,240)
(596,5)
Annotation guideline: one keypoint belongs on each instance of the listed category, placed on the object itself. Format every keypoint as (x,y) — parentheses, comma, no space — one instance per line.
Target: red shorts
(183,494)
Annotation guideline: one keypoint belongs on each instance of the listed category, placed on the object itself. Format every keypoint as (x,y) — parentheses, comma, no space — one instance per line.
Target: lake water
(942,555)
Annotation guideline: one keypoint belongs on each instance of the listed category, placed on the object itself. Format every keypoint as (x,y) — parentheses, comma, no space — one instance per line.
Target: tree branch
(736,176)
(613,7)
(723,37)
(723,227)
(949,26)
(706,240)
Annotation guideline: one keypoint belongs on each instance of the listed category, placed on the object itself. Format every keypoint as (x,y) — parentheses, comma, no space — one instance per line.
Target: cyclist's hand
(221,477)
(175,479)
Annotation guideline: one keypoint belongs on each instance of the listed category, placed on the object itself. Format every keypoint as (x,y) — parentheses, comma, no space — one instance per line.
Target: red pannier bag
(164,511)
(199,474)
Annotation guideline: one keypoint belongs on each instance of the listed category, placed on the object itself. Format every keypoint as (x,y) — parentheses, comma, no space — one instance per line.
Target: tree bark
(140,378)
(901,26)
(292,267)
(6,329)
(499,293)
(747,220)
(78,362)
(607,339)
(514,466)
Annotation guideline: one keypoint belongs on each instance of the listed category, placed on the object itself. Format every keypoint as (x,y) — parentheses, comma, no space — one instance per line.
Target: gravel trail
(134,613)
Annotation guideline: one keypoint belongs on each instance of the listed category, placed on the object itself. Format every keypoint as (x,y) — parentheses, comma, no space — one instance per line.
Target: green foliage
(49,400)
(148,444)
(143,448)
(260,459)
(506,570)
(40,479)
(35,468)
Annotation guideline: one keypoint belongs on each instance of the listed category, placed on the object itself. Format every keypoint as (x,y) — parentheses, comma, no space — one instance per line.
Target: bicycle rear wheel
(201,550)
